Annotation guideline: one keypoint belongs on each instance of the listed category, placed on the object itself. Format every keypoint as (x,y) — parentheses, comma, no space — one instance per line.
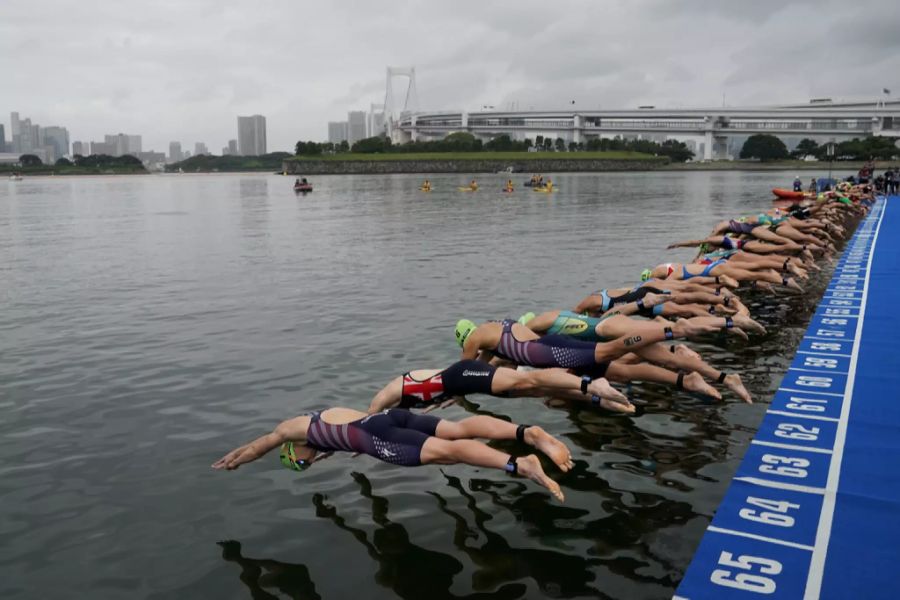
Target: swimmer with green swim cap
(464,327)
(401,438)
(645,275)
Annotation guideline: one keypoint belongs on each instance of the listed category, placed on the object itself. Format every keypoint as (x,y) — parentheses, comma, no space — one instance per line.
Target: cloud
(184,70)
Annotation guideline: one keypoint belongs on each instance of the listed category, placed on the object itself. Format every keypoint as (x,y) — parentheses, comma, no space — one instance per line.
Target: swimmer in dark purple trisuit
(403,438)
(434,388)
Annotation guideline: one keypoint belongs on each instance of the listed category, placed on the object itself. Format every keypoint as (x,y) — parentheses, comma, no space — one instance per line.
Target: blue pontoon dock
(814,509)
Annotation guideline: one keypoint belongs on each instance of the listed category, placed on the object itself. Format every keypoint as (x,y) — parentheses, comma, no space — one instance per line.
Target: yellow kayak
(543,189)
(425,189)
(467,189)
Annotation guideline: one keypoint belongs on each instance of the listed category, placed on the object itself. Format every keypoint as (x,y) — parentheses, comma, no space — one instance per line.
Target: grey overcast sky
(184,69)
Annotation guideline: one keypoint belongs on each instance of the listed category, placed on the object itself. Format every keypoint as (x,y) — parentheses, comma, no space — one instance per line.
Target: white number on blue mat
(807,404)
(746,581)
(833,321)
(784,465)
(824,363)
(830,346)
(769,516)
(813,381)
(795,431)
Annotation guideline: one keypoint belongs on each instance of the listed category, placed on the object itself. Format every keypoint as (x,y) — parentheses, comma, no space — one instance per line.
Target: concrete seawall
(378,167)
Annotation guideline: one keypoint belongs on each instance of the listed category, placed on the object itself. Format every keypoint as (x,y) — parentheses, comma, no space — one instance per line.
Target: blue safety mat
(814,509)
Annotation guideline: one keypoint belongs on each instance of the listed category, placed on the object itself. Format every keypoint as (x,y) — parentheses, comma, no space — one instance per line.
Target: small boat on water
(302,185)
(788,194)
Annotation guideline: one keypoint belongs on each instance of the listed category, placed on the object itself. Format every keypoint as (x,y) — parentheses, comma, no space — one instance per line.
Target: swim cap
(645,274)
(464,327)
(526,317)
(289,458)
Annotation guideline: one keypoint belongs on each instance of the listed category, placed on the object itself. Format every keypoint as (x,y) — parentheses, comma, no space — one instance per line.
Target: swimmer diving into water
(406,439)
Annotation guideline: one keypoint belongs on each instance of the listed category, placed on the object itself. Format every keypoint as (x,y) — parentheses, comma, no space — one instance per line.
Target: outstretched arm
(589,305)
(388,397)
(686,244)
(292,429)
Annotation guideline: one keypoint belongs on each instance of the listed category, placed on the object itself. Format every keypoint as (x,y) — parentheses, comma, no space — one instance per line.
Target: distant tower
(252,135)
(392,109)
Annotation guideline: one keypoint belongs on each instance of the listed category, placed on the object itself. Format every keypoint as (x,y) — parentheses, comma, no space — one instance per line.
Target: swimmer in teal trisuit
(402,438)
(593,329)
(515,343)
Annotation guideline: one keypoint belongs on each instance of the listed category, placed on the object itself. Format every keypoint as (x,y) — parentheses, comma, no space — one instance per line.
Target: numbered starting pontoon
(814,509)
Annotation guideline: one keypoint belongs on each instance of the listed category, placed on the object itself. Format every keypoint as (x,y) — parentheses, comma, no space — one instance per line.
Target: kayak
(507,191)
(545,190)
(789,194)
(303,187)
(467,189)
(426,190)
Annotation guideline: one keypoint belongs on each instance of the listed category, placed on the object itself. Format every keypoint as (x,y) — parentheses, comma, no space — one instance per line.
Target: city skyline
(190,76)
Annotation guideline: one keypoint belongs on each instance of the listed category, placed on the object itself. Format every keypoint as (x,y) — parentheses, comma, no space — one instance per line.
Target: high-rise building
(102,148)
(135,145)
(252,135)
(200,148)
(26,138)
(175,152)
(56,142)
(337,131)
(121,144)
(2,138)
(232,147)
(356,126)
(82,148)
(376,124)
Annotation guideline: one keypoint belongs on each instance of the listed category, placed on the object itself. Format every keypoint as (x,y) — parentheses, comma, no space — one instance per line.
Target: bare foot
(729,281)
(793,284)
(694,382)
(733,382)
(652,299)
(530,467)
(739,332)
(748,324)
(797,271)
(549,445)
(684,351)
(601,387)
(616,405)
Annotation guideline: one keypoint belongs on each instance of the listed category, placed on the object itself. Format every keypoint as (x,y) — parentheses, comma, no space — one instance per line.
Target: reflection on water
(149,324)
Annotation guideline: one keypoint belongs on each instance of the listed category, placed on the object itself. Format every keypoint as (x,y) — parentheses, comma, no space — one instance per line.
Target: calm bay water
(150,324)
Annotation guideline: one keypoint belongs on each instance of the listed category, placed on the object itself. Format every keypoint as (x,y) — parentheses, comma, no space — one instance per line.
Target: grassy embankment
(7,170)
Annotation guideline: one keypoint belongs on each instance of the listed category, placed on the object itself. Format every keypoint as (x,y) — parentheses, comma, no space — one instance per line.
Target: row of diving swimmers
(574,355)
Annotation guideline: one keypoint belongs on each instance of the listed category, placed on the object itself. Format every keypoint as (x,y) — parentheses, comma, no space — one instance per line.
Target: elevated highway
(821,121)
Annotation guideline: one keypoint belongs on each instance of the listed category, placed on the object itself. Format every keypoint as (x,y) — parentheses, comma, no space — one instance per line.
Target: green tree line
(766,147)
(466,142)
